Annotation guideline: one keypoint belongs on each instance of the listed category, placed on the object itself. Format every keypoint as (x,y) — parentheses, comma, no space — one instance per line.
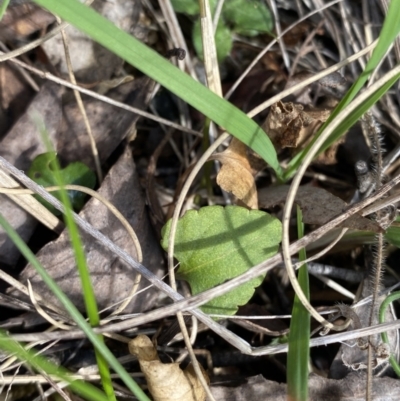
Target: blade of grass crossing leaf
(162,71)
(3,7)
(299,335)
(73,312)
(390,30)
(87,288)
(85,390)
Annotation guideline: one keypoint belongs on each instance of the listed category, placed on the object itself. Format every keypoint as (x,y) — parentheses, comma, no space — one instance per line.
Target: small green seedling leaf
(223,40)
(248,17)
(42,172)
(216,244)
(393,233)
(189,7)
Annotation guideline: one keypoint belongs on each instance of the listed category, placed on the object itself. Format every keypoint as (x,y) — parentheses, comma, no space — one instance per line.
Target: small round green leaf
(216,244)
(223,40)
(248,17)
(190,7)
(42,172)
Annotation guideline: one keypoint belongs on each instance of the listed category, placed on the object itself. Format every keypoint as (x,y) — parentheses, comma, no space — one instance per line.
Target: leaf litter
(318,206)
(240,176)
(112,280)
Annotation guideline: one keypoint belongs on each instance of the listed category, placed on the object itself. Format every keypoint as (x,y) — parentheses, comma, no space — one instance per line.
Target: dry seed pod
(166,381)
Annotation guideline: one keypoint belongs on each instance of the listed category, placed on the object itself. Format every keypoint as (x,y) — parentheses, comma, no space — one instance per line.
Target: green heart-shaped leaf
(216,244)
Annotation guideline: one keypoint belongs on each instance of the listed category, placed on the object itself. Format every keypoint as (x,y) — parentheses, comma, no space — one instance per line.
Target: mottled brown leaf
(66,129)
(91,62)
(111,278)
(318,206)
(20,153)
(289,126)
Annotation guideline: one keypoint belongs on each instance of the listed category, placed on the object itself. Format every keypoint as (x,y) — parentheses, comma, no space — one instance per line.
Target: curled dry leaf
(166,381)
(237,174)
(318,206)
(291,125)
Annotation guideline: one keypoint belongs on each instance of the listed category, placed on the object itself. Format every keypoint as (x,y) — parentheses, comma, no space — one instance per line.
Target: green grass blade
(158,68)
(389,32)
(83,270)
(39,363)
(3,8)
(382,310)
(73,312)
(299,335)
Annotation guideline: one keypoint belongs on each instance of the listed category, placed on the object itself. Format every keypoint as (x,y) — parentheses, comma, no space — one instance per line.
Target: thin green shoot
(3,8)
(299,335)
(73,312)
(382,311)
(83,270)
(41,364)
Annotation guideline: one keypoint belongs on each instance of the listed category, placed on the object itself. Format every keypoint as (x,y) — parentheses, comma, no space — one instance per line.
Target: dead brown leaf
(21,153)
(236,175)
(91,62)
(65,126)
(21,20)
(15,95)
(166,382)
(289,125)
(112,279)
(318,206)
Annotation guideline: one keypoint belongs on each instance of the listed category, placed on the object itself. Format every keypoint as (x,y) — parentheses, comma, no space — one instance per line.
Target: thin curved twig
(93,146)
(114,211)
(296,183)
(43,313)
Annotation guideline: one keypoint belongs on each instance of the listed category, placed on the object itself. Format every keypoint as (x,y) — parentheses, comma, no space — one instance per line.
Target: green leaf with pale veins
(216,244)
